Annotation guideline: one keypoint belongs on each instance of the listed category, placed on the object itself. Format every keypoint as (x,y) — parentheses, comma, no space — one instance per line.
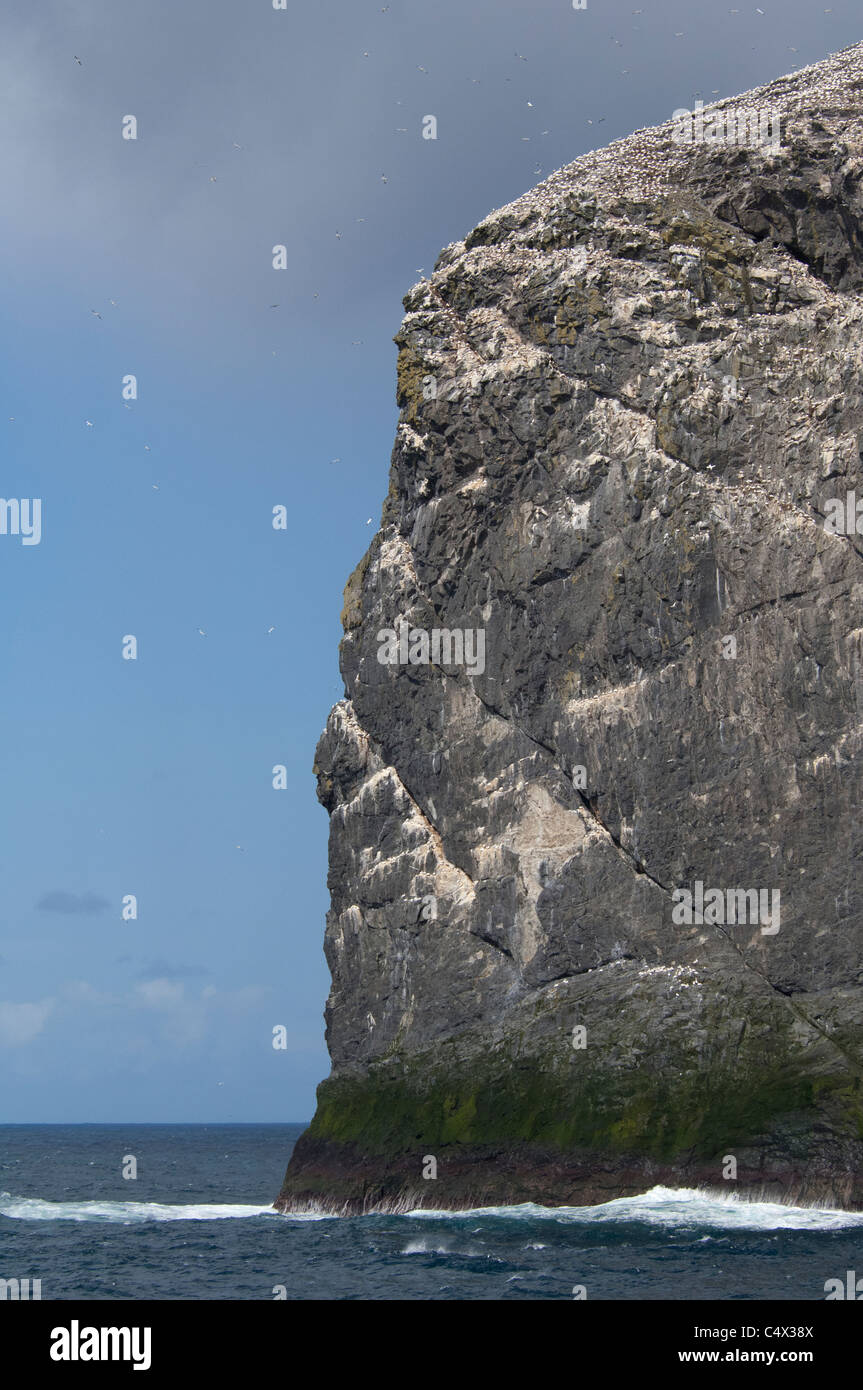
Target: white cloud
(160,993)
(21,1023)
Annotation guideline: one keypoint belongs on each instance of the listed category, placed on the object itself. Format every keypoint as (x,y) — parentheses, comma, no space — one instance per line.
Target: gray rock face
(631,404)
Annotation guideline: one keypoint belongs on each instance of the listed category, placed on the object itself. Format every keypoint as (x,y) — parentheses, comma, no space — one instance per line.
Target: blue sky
(256,127)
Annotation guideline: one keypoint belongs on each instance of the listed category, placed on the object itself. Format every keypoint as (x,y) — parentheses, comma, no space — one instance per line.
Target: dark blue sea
(197,1223)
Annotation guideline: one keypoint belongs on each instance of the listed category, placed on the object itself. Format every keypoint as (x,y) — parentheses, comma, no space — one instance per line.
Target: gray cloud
(72,904)
(259,128)
(161,970)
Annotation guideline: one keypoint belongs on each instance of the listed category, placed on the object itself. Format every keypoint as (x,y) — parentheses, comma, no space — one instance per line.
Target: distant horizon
(145,1124)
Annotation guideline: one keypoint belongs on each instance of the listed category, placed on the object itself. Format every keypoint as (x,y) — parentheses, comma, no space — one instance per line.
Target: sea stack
(596,896)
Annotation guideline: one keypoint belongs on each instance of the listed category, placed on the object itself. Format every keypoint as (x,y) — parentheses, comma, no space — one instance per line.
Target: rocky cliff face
(631,403)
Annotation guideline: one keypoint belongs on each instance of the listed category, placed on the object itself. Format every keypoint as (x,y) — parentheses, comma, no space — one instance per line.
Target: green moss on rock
(626,1112)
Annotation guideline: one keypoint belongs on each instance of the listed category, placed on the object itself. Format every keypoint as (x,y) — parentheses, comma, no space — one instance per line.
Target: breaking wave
(673,1207)
(35,1209)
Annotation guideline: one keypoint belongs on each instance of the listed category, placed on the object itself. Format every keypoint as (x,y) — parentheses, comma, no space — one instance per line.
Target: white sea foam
(35,1209)
(661,1207)
(428,1247)
(673,1207)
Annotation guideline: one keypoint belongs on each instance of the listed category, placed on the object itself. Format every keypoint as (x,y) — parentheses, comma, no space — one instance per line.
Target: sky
(256,388)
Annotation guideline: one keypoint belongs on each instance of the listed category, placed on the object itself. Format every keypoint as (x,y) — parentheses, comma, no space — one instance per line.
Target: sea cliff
(628,456)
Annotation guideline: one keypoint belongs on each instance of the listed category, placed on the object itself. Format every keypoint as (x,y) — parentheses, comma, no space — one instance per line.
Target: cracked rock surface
(626,400)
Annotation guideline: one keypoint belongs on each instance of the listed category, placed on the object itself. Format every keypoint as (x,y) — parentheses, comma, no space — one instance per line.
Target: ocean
(196,1223)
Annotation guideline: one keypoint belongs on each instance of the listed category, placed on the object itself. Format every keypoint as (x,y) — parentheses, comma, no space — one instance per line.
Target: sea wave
(35,1209)
(428,1247)
(672,1207)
